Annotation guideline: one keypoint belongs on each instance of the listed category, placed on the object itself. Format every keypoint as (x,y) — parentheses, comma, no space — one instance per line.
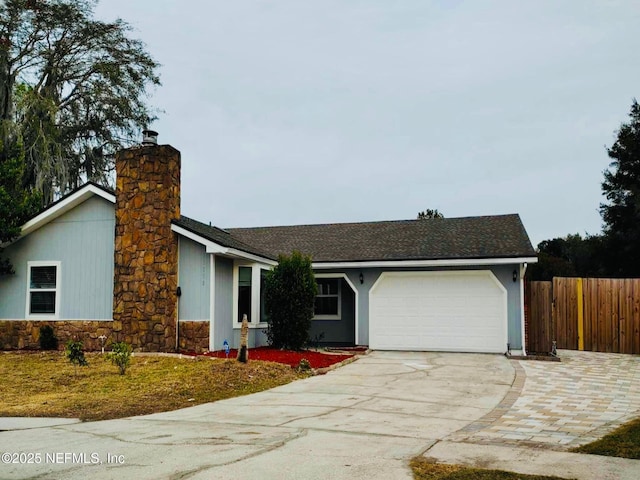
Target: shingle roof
(500,236)
(219,236)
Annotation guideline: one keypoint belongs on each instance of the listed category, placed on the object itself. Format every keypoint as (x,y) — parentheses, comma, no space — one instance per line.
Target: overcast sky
(321,111)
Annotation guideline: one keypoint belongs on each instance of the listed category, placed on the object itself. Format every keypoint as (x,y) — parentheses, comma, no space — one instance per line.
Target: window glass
(43,302)
(244,293)
(328,297)
(263,312)
(43,277)
(244,274)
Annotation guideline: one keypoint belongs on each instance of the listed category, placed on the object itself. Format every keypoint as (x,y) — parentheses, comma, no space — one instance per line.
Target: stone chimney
(146,250)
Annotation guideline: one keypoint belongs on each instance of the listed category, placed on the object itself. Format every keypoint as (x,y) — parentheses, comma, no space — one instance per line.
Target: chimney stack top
(149,138)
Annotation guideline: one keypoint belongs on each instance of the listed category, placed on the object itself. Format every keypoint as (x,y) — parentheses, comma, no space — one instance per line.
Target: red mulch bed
(268,354)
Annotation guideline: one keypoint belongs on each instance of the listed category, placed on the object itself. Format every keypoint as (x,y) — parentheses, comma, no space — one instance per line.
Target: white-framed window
(43,290)
(248,294)
(328,303)
(244,303)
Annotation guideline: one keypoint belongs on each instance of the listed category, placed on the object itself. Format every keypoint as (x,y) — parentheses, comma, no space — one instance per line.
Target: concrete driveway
(364,420)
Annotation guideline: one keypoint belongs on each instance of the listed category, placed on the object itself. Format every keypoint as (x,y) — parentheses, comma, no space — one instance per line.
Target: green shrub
(290,292)
(120,356)
(73,351)
(48,340)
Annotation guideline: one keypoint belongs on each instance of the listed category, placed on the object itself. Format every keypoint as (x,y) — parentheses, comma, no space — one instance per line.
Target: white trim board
(425,263)
(64,206)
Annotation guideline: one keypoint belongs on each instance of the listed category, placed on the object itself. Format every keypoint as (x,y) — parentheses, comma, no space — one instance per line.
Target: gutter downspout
(178,298)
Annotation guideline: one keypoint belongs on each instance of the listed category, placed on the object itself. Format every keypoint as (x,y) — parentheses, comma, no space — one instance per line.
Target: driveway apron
(364,420)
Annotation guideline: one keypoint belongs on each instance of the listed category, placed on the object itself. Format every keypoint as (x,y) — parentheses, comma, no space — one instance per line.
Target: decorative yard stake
(225,346)
(103,339)
(243,352)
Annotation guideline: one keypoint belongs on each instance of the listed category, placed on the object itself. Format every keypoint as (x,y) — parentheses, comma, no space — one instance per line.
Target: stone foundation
(18,335)
(25,335)
(193,336)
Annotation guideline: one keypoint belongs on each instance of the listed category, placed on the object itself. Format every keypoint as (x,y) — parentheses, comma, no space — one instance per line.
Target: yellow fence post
(580,301)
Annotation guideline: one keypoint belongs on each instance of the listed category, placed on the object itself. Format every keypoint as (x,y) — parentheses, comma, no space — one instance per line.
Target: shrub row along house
(165,282)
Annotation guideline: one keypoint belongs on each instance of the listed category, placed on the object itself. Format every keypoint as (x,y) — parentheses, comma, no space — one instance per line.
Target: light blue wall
(337,332)
(504,273)
(224,301)
(257,338)
(194,280)
(194,301)
(223,325)
(83,241)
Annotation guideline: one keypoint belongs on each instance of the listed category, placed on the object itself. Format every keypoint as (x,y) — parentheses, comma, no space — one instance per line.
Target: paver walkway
(560,405)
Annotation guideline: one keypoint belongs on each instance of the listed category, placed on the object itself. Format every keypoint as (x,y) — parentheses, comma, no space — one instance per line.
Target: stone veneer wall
(194,336)
(146,250)
(14,335)
(26,334)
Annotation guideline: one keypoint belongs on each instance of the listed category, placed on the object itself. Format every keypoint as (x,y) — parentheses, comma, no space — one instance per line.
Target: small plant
(73,351)
(48,340)
(120,356)
(304,365)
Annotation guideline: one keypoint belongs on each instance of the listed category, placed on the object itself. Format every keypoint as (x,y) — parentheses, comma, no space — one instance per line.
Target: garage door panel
(452,311)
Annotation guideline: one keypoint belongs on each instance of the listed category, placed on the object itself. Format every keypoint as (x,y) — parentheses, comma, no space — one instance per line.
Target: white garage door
(447,311)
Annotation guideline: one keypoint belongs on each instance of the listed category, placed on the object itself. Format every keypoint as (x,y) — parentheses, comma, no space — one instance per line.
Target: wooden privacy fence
(596,314)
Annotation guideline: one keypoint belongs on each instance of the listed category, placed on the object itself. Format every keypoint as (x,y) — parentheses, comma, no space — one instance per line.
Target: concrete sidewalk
(27,423)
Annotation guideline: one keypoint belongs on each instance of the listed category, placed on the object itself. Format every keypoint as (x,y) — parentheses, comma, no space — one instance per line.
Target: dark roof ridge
(230,229)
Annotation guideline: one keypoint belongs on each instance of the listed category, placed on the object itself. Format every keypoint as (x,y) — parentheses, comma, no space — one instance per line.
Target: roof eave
(219,249)
(448,262)
(63,206)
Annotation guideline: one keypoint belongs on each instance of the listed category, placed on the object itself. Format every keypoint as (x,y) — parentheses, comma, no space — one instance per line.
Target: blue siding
(504,274)
(337,332)
(83,241)
(194,280)
(224,295)
(223,325)
(256,338)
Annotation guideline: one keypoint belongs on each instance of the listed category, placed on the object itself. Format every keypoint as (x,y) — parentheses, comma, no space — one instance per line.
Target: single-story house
(125,265)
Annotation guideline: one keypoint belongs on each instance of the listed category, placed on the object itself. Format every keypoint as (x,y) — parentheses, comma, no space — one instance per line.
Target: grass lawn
(622,442)
(425,470)
(44,384)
